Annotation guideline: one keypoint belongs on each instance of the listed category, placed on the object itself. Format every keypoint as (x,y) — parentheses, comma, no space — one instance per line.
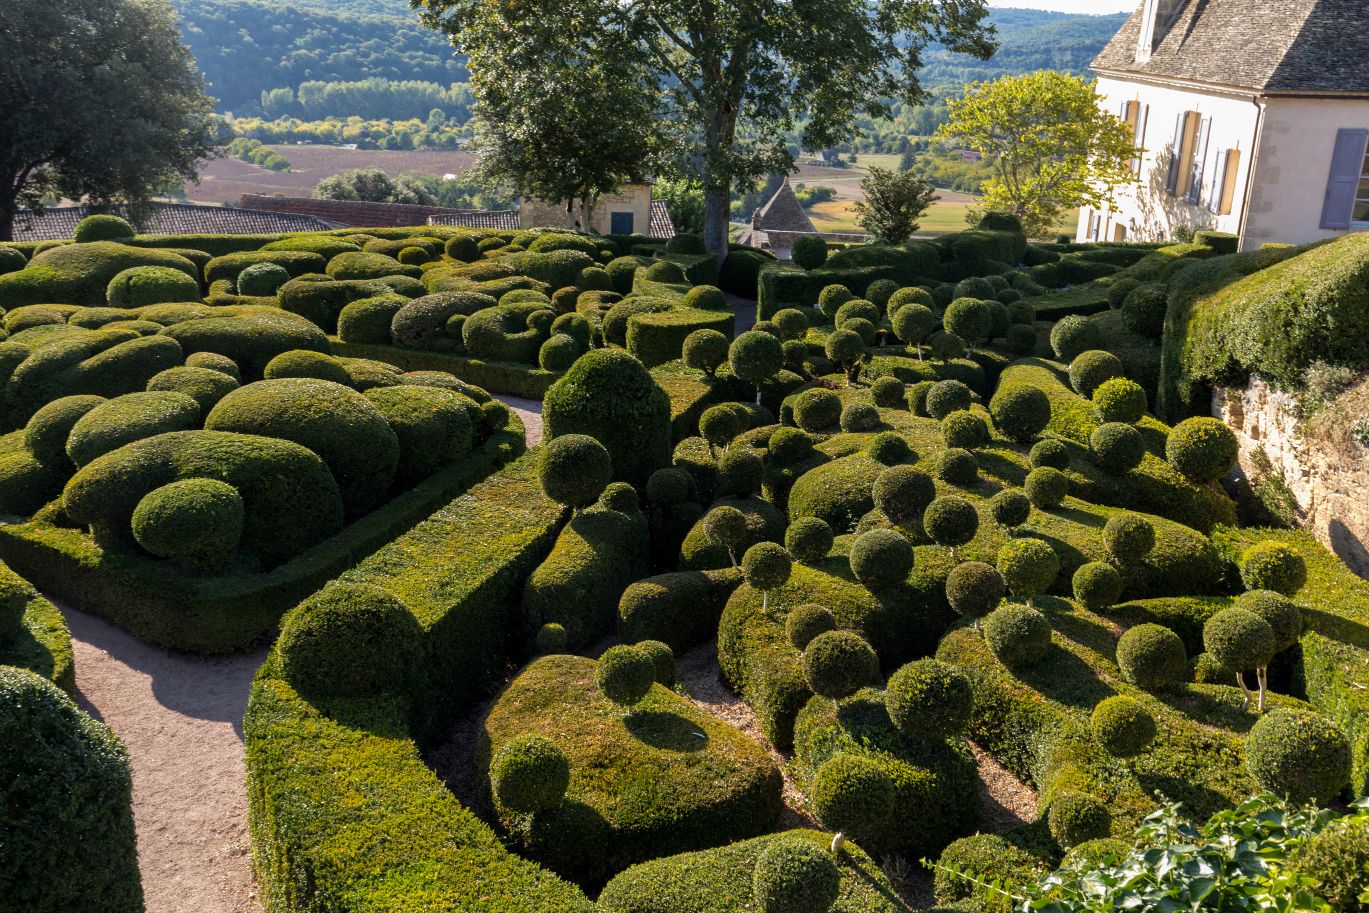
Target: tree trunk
(6,223)
(717,203)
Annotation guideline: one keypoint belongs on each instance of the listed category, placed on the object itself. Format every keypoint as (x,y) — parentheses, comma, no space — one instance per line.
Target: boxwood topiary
(1122,725)
(1117,447)
(625,674)
(947,396)
(705,350)
(989,858)
(1128,538)
(881,558)
(1050,452)
(1020,339)
(1273,566)
(1144,308)
(859,418)
(913,323)
(529,774)
(807,621)
(1018,635)
(260,280)
(368,321)
(974,589)
(1020,411)
(852,794)
(131,417)
(888,393)
(1285,617)
(1119,400)
(559,352)
(307,363)
(1072,336)
(1074,818)
(741,472)
(927,699)
(765,567)
(1152,657)
(1046,487)
(957,467)
(1299,754)
(950,520)
(144,285)
(249,337)
(204,385)
(1010,508)
(889,448)
(1089,370)
(817,410)
(101,227)
(794,876)
(969,318)
(964,430)
(551,638)
(434,427)
(808,539)
(1337,858)
(196,521)
(45,435)
(1202,449)
(1029,566)
(837,664)
(1097,585)
(858,308)
(1238,639)
(902,493)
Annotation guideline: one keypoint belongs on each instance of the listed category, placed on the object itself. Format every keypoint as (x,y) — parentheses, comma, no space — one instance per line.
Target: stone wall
(1328,491)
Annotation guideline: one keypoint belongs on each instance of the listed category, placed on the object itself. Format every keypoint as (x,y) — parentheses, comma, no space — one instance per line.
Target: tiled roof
(661,224)
(498,219)
(1264,45)
(783,212)
(350,213)
(170,219)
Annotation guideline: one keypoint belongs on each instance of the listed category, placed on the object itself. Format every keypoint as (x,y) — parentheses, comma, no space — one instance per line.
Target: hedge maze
(943,495)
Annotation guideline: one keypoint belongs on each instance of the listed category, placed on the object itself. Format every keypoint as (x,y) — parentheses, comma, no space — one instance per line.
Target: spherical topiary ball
(902,493)
(974,589)
(792,323)
(910,295)
(1152,657)
(809,539)
(928,699)
(198,521)
(1028,566)
(846,347)
(766,566)
(551,638)
(1018,635)
(888,448)
(1238,639)
(852,794)
(950,521)
(913,323)
(809,251)
(968,318)
(880,291)
(837,664)
(558,353)
(620,496)
(1020,412)
(1128,538)
(1273,566)
(725,525)
(1050,453)
(1010,508)
(350,640)
(806,622)
(529,774)
(1021,339)
(262,279)
(574,470)
(625,674)
(662,660)
(1123,726)
(1074,335)
(859,417)
(974,287)
(140,286)
(817,410)
(1074,818)
(1046,487)
(788,446)
(1089,370)
(964,430)
(755,356)
(1117,447)
(794,876)
(888,393)
(1299,754)
(881,558)
(705,350)
(1120,400)
(1143,310)
(833,297)
(947,396)
(858,309)
(1202,449)
(956,466)
(741,472)
(101,227)
(917,397)
(1097,585)
(1285,617)
(670,486)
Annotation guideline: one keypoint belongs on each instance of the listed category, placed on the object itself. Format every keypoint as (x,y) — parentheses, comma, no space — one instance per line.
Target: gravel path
(530,411)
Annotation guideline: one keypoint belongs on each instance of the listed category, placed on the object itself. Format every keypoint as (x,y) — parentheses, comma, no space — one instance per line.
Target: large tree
(99,102)
(1051,145)
(734,78)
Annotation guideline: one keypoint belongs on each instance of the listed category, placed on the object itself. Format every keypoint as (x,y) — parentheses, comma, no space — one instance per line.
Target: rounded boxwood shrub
(1020,412)
(662,659)
(463,248)
(1097,585)
(858,309)
(1273,566)
(101,227)
(974,287)
(1051,453)
(423,322)
(910,295)
(880,291)
(807,621)
(663,271)
(859,418)
(350,640)
(718,425)
(1202,449)
(837,664)
(755,356)
(726,525)
(964,430)
(625,674)
(1018,635)
(558,353)
(1029,566)
(788,446)
(852,794)
(1206,670)
(1120,400)
(1152,657)
(705,350)
(1128,538)
(888,393)
(434,427)
(1074,818)
(1046,487)
(1090,370)
(902,493)
(969,318)
(197,521)
(1238,639)
(846,347)
(1338,859)
(1143,310)
(741,472)
(794,876)
(974,589)
(1117,447)
(214,362)
(1010,508)
(307,363)
(1122,725)
(45,435)
(574,470)
(529,774)
(131,417)
(1020,339)
(766,566)
(817,410)
(808,539)
(67,794)
(947,396)
(928,699)
(833,297)
(12,260)
(260,280)
(913,323)
(1298,754)
(143,285)
(809,252)
(710,298)
(1119,290)
(950,520)
(1285,617)
(881,558)
(917,397)
(551,638)
(204,385)
(1074,335)
(957,467)
(889,448)
(791,322)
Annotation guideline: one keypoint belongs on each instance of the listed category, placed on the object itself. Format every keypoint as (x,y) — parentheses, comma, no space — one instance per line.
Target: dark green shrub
(989,858)
(1089,370)
(1273,566)
(964,430)
(423,322)
(1046,487)
(306,363)
(664,271)
(766,567)
(507,332)
(1299,754)
(1152,657)
(817,410)
(858,309)
(1238,639)
(969,318)
(974,589)
(788,446)
(1337,858)
(625,674)
(1122,725)
(196,521)
(1119,290)
(529,774)
(975,287)
(1020,339)
(434,427)
(807,621)
(101,227)
(1208,671)
(956,466)
(947,346)
(917,397)
(662,658)
(1074,335)
(808,539)
(1144,308)
(574,326)
(558,353)
(852,794)
(1202,449)
(551,638)
(350,640)
(741,472)
(831,298)
(250,340)
(1020,412)
(903,493)
(1050,453)
(1074,818)
(204,385)
(726,525)
(859,418)
(574,470)
(792,323)
(144,285)
(1120,400)
(950,521)
(755,357)
(1117,447)
(948,396)
(888,393)
(705,350)
(879,292)
(1128,538)
(12,260)
(1097,585)
(837,664)
(794,876)
(889,448)
(463,248)
(809,252)
(1029,566)
(45,436)
(881,558)
(368,265)
(846,348)
(131,417)
(928,699)
(79,274)
(69,837)
(1285,617)
(1010,508)
(259,279)
(906,296)
(718,425)
(913,323)
(1018,635)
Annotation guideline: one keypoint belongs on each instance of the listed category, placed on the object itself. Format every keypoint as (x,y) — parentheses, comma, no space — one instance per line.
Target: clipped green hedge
(657,338)
(523,380)
(81,273)
(40,642)
(783,285)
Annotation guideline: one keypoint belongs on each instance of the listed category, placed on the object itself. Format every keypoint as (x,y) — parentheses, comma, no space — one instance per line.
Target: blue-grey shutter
(1346,163)
(1172,181)
(1195,190)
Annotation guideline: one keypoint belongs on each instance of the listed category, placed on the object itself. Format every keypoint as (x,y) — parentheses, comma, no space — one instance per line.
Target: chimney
(1156,18)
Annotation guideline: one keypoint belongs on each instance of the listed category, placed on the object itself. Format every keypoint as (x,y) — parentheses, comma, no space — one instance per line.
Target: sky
(1072,6)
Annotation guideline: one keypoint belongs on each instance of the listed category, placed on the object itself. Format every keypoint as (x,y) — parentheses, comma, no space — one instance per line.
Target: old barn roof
(170,219)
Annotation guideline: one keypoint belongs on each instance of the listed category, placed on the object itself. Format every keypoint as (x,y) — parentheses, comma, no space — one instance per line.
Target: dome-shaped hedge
(755,356)
(558,353)
(968,318)
(551,638)
(947,396)
(928,699)
(809,251)
(837,664)
(45,435)
(307,363)
(198,521)
(902,493)
(260,280)
(913,323)
(1152,657)
(1273,566)
(574,470)
(101,227)
(950,520)
(794,876)
(956,466)
(143,285)
(964,430)
(1238,639)
(766,566)
(833,297)
(1029,566)
(1090,370)
(807,621)
(881,558)
(350,640)
(1117,447)
(1050,453)
(1120,400)
(1299,754)
(1122,725)
(1285,617)
(852,794)
(1018,635)
(1046,487)
(625,674)
(705,350)
(808,539)
(817,410)
(1072,336)
(859,418)
(434,427)
(1128,538)
(1097,585)
(128,418)
(974,589)
(1020,412)
(1074,818)
(1143,310)
(1202,449)
(889,448)
(204,385)
(529,774)
(1010,508)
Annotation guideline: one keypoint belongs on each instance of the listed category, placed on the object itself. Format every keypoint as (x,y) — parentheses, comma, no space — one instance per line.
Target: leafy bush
(1073,818)
(1120,400)
(809,252)
(575,469)
(1050,453)
(957,467)
(1020,412)
(204,385)
(1018,635)
(1074,335)
(1152,657)
(1298,754)
(1238,639)
(928,699)
(259,279)
(852,794)
(1117,447)
(1097,585)
(1090,370)
(1128,538)
(1029,566)
(131,417)
(808,539)
(793,876)
(1273,566)
(964,430)
(1202,449)
(1284,616)
(144,285)
(198,521)
(837,664)
(1046,487)
(974,589)
(950,520)
(101,228)
(1010,508)
(529,774)
(881,558)
(948,396)
(1122,725)
(625,674)
(817,410)
(807,621)
(1144,309)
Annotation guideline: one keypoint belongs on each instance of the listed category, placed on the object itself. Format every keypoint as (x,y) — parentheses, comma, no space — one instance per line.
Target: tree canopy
(99,101)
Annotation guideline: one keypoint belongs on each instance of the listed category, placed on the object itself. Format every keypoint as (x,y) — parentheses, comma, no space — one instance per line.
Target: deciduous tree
(893,203)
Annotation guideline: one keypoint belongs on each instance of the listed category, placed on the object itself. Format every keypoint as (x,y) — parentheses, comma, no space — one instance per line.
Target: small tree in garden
(968,318)
(881,558)
(529,774)
(974,589)
(705,350)
(718,426)
(913,323)
(808,539)
(893,202)
(1028,566)
(951,521)
(902,493)
(726,525)
(625,674)
(1010,509)
(755,357)
(837,664)
(575,470)
(1241,640)
(766,567)
(847,349)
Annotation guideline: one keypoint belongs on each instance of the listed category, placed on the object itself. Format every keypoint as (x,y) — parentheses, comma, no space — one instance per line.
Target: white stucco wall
(1145,208)
(1294,163)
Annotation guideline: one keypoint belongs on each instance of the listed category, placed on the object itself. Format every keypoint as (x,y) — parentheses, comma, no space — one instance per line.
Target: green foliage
(625,674)
(1152,657)
(198,521)
(1074,819)
(529,775)
(1298,754)
(837,664)
(1090,370)
(766,566)
(1010,508)
(1097,585)
(81,273)
(1144,309)
(1128,538)
(1020,412)
(1202,449)
(852,794)
(957,467)
(144,285)
(1273,566)
(204,385)
(809,251)
(1284,616)
(948,396)
(1337,859)
(1029,566)
(891,204)
(881,558)
(794,876)
(950,520)
(1072,336)
(350,640)
(964,430)
(974,589)
(927,699)
(807,621)
(1122,725)
(1119,400)
(101,228)
(1018,635)
(1117,447)
(575,469)
(131,417)
(1238,639)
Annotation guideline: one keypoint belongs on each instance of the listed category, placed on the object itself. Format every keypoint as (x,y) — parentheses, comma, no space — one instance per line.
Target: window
(620,223)
(1359,217)
(1221,193)
(1347,189)
(1136,116)
(1187,132)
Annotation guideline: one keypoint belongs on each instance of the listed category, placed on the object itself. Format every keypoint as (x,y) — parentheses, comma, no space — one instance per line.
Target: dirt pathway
(181,718)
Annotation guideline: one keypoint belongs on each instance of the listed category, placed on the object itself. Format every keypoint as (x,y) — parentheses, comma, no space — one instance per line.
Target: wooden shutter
(1347,162)
(1231,169)
(1195,184)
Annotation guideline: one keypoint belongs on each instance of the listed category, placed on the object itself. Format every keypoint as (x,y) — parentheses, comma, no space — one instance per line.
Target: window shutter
(1214,187)
(1346,163)
(1228,188)
(1195,189)
(1142,121)
(1176,152)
